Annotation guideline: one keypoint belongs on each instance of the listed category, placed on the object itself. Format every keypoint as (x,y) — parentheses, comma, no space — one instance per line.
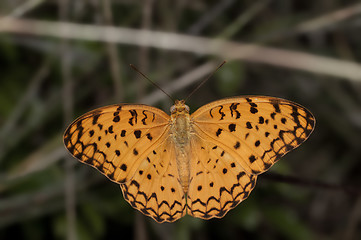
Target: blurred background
(60,59)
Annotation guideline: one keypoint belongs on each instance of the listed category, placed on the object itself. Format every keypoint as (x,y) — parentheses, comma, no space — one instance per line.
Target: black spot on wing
(261,120)
(145,117)
(116,119)
(95,118)
(252,158)
(233,109)
(137,133)
(273,115)
(123,167)
(276,106)
(122,134)
(135,151)
(222,113)
(232,127)
(219,131)
(253,110)
(134,119)
(253,104)
(149,136)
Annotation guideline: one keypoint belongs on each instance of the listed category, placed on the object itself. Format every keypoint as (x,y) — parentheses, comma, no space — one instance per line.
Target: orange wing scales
(219,182)
(257,131)
(228,144)
(156,192)
(106,138)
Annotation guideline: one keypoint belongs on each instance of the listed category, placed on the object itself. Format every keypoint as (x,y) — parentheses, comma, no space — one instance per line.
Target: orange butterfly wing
(129,144)
(235,140)
(232,141)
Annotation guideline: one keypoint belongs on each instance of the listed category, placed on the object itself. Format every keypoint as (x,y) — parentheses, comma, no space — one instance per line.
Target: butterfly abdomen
(180,135)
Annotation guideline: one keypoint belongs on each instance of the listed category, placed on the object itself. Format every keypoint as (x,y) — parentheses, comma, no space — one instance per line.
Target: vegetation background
(60,59)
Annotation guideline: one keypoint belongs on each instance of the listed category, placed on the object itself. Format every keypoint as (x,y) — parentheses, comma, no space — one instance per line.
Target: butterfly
(202,164)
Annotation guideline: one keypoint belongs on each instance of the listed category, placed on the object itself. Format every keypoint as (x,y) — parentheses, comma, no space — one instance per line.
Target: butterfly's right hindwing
(155,188)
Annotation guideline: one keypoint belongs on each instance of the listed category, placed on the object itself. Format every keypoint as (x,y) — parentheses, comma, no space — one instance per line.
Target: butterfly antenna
(205,80)
(136,69)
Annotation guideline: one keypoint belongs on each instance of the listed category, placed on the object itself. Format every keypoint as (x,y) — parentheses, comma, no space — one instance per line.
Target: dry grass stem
(199,45)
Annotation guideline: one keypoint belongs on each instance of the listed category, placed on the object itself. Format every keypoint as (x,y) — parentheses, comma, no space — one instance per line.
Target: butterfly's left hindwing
(115,139)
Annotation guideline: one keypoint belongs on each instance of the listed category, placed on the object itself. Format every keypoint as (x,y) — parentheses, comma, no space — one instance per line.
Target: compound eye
(172,109)
(187,108)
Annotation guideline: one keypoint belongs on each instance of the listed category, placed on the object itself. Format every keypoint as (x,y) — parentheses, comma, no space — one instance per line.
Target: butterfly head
(179,107)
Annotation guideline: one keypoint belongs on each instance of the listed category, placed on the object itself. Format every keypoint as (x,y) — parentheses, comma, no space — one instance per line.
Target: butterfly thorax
(180,135)
(180,123)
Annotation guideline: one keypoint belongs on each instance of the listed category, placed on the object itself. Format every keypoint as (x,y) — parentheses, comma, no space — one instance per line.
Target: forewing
(116,139)
(255,131)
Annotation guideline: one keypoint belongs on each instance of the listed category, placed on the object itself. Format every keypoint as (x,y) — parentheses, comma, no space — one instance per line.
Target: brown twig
(171,41)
